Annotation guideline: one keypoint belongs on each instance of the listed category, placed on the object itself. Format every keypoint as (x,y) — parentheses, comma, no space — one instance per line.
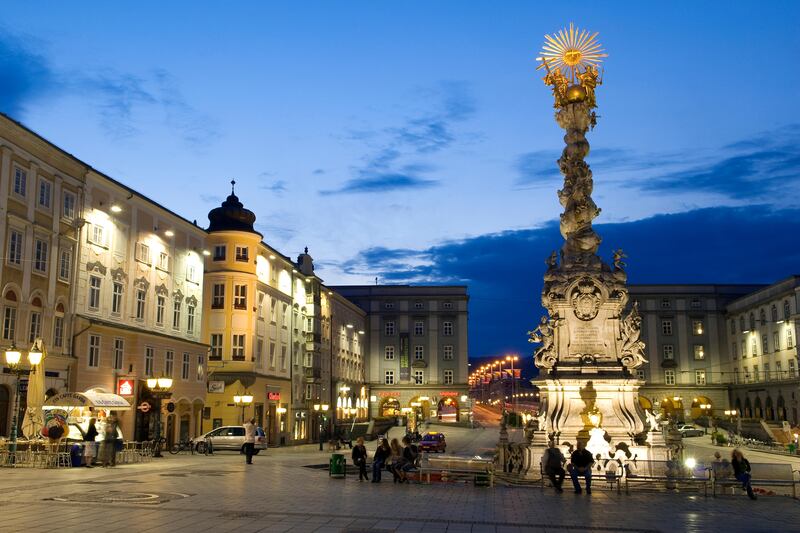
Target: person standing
(89,444)
(249,439)
(580,464)
(553,463)
(109,445)
(382,453)
(360,459)
(741,469)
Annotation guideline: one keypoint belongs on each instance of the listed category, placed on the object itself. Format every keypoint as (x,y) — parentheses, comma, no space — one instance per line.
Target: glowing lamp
(164,383)
(115,208)
(152,383)
(325,406)
(35,357)
(13,356)
(691,463)
(247,398)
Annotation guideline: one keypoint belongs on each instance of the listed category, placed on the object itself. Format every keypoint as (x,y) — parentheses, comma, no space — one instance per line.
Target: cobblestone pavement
(277,493)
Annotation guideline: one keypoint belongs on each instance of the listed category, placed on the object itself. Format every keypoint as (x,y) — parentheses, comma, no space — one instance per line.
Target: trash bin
(481,480)
(338,465)
(76,454)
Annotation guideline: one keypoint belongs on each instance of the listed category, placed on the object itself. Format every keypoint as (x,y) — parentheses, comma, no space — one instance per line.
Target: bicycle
(183,446)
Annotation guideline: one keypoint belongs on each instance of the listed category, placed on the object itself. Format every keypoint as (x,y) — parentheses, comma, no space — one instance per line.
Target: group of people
(108,446)
(397,459)
(581,461)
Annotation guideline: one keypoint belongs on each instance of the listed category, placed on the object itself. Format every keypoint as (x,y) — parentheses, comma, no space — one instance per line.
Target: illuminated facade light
(116,209)
(169,233)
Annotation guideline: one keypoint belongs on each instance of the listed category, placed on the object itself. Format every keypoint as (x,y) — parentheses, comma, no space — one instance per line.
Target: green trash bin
(338,465)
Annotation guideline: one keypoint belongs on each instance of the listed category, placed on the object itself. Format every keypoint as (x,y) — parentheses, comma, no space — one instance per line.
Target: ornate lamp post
(243,401)
(13,359)
(160,389)
(322,416)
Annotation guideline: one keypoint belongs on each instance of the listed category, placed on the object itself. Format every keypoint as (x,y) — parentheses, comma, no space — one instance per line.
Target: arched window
(762,316)
(786,310)
(10,315)
(774,313)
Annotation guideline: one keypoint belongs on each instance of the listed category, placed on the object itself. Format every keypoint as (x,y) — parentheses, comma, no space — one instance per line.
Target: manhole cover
(118,496)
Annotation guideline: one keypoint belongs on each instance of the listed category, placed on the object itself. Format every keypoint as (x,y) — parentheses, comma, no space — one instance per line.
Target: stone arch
(389,406)
(781,408)
(748,408)
(758,410)
(769,411)
(738,405)
(37,299)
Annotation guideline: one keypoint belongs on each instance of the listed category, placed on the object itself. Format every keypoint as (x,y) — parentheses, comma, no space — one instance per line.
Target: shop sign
(274,396)
(144,407)
(125,387)
(448,393)
(216,386)
(385,394)
(405,365)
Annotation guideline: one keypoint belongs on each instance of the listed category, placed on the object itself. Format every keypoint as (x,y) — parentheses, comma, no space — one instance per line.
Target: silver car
(229,438)
(688,430)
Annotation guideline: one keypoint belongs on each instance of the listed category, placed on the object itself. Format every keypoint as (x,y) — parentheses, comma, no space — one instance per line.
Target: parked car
(432,442)
(229,438)
(688,430)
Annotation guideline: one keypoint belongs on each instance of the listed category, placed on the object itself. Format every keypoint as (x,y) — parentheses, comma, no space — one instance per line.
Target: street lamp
(322,413)
(243,400)
(512,359)
(159,389)
(13,358)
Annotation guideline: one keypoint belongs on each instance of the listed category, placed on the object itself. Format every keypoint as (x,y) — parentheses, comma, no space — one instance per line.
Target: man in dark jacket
(553,464)
(360,459)
(580,464)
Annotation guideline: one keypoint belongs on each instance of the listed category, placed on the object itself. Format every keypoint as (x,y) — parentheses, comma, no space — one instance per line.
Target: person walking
(89,444)
(382,453)
(741,469)
(580,464)
(109,444)
(553,464)
(359,455)
(249,439)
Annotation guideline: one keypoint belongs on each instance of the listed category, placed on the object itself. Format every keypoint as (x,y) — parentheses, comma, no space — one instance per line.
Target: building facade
(349,399)
(41,191)
(138,311)
(417,349)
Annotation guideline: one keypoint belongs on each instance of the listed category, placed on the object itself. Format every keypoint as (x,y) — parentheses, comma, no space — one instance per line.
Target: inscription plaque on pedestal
(585,339)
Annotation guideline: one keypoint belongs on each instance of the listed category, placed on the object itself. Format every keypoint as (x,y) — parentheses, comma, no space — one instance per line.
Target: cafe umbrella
(33,421)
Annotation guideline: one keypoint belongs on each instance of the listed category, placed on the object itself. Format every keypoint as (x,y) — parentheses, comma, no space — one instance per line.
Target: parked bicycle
(182,446)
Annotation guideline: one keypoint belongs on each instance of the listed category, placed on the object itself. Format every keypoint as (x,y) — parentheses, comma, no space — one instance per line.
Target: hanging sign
(125,387)
(405,366)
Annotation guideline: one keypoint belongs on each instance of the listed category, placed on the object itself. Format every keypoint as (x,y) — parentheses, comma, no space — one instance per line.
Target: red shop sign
(385,394)
(276,396)
(448,393)
(125,387)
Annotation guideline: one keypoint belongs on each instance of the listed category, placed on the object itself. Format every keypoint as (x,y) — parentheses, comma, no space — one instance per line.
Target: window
(419,305)
(418,377)
(97,235)
(665,303)
(240,296)
(789,340)
(754,348)
(669,377)
(141,298)
(776,341)
(9,323)
(218,296)
(176,313)
(695,303)
(149,360)
(388,328)
(448,377)
(36,326)
(119,350)
(419,352)
(242,254)
(163,261)
(272,355)
(169,363)
(733,350)
(779,369)
(219,252)
(764,344)
(699,377)
(736,375)
(58,331)
(746,375)
(640,374)
(191,272)
(68,205)
(15,245)
(142,253)
(388,353)
(94,351)
(216,346)
(697,327)
(448,352)
(699,352)
(161,303)
(669,351)
(201,368)
(666,327)
(766,371)
(65,264)
(20,181)
(116,298)
(40,249)
(755,372)
(94,292)
(744,349)
(786,310)
(741,324)
(238,347)
(260,352)
(283,357)
(774,313)
(388,377)
(185,367)
(45,191)
(752,321)
(447,328)
(792,370)
(733,327)
(190,310)
(388,305)
(447,305)
(273,311)
(419,327)
(260,297)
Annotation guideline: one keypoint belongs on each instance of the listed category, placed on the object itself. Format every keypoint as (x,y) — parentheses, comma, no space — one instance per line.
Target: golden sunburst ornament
(571,50)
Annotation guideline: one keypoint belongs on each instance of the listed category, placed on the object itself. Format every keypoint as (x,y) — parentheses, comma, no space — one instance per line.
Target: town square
(399,266)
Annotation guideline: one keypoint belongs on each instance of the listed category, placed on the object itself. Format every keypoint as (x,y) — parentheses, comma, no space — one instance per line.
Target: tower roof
(231,215)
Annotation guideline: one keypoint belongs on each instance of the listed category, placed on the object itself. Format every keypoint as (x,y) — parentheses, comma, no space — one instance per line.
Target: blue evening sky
(414,141)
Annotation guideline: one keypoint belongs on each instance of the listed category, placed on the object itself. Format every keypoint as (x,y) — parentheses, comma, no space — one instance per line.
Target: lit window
(699,352)
(700,377)
(94,292)
(94,351)
(697,327)
(388,353)
(201,368)
(448,377)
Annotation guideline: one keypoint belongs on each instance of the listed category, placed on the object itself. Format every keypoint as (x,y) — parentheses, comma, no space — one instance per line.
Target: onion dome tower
(231,215)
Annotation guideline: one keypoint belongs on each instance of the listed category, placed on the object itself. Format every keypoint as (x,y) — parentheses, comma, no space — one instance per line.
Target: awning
(101,400)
